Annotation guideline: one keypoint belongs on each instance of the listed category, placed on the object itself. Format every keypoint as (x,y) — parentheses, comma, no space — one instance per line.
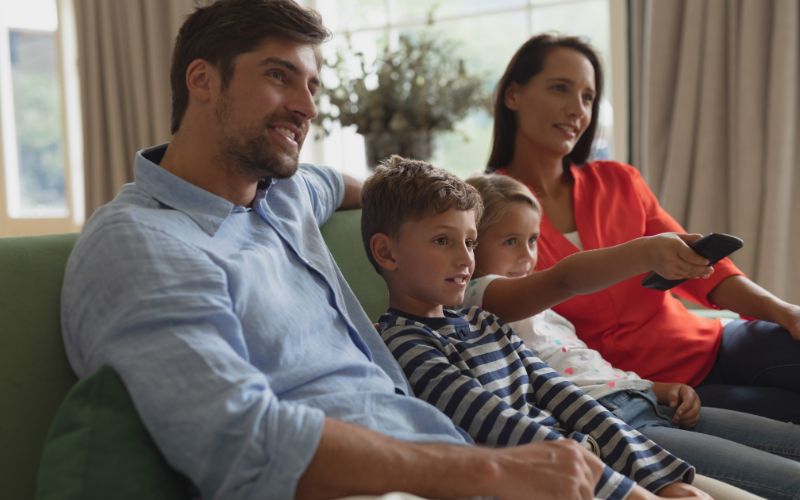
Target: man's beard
(249,152)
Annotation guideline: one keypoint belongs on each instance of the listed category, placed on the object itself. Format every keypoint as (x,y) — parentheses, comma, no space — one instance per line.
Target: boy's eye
(510,241)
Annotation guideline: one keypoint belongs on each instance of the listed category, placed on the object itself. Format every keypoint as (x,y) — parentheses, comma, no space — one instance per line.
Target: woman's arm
(741,295)
(513,299)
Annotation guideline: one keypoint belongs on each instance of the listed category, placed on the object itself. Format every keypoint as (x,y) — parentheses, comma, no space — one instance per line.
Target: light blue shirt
(233,329)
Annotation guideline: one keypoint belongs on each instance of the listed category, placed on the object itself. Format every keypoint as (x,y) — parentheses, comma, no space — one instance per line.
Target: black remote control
(714,247)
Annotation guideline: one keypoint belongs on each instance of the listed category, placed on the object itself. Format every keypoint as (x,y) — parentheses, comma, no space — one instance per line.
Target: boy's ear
(381,247)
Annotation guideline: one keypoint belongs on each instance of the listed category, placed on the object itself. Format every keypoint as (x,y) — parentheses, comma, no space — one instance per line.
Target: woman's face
(554,108)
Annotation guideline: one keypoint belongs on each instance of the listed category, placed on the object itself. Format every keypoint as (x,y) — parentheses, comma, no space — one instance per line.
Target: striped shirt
(472,367)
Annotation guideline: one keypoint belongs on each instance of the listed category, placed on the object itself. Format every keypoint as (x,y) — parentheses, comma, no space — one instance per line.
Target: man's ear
(510,96)
(381,247)
(201,77)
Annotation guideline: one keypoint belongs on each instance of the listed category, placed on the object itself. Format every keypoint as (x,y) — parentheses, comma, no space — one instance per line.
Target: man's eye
(276,74)
(510,241)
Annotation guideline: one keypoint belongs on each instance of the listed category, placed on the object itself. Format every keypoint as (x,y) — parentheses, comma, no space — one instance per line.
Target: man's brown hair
(223,30)
(500,193)
(403,189)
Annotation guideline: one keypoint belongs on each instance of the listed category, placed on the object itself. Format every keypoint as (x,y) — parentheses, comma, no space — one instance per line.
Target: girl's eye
(510,241)
(533,240)
(472,244)
(440,241)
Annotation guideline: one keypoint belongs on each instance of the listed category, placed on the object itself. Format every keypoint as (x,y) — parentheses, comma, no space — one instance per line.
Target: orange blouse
(634,328)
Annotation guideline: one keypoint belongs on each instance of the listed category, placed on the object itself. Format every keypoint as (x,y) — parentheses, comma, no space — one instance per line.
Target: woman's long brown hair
(527,63)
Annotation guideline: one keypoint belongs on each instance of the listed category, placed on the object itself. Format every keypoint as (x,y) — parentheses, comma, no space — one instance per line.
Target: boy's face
(508,248)
(435,259)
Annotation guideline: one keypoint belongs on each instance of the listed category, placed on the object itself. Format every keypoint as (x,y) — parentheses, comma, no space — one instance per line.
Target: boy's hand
(669,256)
(682,490)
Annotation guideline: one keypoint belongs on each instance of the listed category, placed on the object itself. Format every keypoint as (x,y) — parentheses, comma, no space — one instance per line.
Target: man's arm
(741,295)
(592,271)
(352,193)
(353,460)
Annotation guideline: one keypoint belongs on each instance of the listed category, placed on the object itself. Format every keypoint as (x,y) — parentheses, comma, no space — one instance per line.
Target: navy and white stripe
(472,367)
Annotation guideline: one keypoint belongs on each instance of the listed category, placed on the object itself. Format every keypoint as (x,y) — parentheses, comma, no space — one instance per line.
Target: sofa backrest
(34,372)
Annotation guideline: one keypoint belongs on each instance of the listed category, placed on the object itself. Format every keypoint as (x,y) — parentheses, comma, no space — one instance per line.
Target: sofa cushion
(98,448)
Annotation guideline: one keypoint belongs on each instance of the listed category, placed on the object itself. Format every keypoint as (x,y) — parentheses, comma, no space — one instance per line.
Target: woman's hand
(669,255)
(790,319)
(682,397)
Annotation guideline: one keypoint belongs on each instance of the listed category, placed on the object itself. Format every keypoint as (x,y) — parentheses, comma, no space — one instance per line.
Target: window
(488,33)
(40,172)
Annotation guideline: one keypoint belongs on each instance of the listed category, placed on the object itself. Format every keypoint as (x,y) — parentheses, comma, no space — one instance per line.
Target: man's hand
(669,256)
(683,398)
(553,469)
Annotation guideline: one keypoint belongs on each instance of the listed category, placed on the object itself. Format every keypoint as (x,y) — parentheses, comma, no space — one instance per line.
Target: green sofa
(35,375)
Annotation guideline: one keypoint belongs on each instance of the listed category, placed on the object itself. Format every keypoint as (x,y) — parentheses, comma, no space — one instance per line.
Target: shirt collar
(209,211)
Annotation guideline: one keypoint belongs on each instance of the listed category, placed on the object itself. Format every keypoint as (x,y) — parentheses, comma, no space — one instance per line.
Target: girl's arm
(513,299)
(682,397)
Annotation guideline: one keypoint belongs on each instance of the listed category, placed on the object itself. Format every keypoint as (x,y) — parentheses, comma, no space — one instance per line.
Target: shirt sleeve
(326,188)
(159,313)
(455,391)
(659,221)
(473,296)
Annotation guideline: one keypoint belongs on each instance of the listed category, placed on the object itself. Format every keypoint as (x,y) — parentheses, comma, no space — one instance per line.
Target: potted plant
(397,102)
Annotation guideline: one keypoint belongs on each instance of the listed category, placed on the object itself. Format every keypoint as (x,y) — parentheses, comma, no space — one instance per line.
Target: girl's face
(508,248)
(554,108)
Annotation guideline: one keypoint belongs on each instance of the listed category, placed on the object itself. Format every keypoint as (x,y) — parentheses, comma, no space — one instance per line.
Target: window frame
(72,221)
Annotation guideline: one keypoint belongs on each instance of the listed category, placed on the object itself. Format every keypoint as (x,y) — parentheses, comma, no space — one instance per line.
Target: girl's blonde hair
(499,194)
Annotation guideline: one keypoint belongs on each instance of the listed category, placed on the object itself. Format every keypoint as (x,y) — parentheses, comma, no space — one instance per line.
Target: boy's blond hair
(403,189)
(500,193)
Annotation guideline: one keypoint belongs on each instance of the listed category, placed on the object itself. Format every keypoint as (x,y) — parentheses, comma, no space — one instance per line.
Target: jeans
(757,370)
(753,453)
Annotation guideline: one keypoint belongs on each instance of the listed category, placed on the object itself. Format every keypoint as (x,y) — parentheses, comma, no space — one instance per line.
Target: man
(207,286)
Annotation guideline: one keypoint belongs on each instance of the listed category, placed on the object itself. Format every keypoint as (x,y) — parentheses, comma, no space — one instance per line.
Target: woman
(545,121)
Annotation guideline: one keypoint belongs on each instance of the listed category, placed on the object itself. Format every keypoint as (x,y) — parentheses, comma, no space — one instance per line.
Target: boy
(419,229)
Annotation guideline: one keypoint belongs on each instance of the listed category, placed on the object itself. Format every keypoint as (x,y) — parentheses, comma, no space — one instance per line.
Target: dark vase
(379,146)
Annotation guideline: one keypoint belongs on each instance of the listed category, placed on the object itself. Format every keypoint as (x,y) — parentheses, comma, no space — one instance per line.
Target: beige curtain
(124,50)
(716,123)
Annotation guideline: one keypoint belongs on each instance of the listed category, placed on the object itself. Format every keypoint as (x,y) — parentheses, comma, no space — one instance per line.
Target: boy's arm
(484,416)
(513,299)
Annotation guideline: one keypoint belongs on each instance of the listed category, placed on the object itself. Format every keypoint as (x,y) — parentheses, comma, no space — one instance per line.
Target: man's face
(263,115)
(434,262)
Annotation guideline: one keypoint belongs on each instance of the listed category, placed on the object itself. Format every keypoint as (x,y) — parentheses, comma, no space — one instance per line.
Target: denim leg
(757,371)
(768,402)
(758,472)
(778,438)
(761,473)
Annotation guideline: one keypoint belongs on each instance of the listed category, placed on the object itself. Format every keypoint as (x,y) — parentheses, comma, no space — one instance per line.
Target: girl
(719,443)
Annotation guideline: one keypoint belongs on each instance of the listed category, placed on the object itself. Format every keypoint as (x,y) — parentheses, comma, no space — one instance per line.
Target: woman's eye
(440,241)
(510,241)
(588,98)
(560,87)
